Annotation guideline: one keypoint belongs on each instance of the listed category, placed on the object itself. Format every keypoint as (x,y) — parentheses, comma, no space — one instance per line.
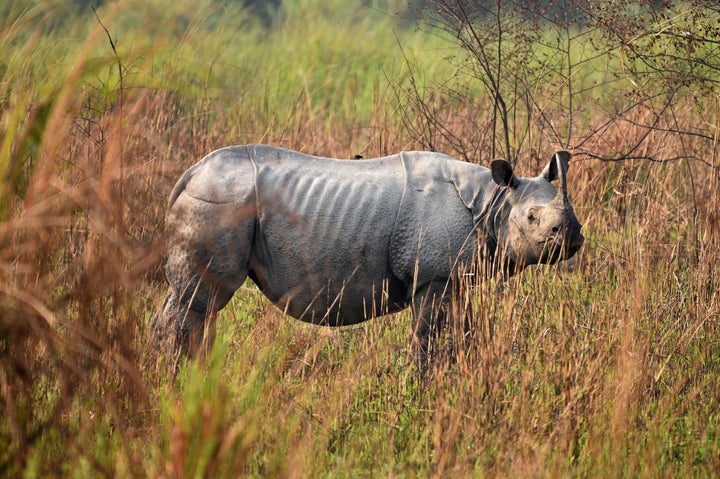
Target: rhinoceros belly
(320,250)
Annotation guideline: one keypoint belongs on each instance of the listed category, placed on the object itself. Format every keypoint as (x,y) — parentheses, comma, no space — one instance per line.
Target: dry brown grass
(607,366)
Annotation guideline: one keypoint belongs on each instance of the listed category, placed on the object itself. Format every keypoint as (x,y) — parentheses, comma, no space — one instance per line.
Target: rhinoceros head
(536,222)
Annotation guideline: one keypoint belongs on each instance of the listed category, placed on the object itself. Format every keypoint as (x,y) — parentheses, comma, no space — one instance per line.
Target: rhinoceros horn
(562,159)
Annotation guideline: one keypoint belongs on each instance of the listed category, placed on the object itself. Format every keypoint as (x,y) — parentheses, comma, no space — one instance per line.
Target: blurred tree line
(271,11)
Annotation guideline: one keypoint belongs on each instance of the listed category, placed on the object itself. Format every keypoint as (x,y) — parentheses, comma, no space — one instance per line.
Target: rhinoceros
(336,242)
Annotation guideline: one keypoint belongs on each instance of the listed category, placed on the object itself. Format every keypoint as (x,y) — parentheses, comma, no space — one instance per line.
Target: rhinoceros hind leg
(208,250)
(179,330)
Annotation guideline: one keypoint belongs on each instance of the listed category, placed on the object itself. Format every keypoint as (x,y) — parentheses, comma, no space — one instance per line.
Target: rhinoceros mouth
(551,252)
(561,247)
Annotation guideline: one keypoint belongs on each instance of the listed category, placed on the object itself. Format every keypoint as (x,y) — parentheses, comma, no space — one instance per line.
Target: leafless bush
(541,66)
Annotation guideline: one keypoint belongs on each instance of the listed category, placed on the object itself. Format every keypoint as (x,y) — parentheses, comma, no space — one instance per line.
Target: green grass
(606,367)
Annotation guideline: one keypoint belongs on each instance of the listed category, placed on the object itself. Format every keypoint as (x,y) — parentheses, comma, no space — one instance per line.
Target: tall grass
(604,367)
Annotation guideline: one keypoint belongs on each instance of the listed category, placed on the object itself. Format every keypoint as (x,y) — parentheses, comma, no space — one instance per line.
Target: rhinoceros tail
(181,184)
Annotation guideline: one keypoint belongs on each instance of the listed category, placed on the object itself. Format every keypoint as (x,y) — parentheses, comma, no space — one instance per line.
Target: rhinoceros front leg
(430,303)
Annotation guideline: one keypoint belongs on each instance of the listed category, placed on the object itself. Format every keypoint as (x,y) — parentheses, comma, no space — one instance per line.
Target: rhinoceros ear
(502,173)
(551,172)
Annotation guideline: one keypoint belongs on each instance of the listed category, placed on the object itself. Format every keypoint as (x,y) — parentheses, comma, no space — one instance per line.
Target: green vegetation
(606,367)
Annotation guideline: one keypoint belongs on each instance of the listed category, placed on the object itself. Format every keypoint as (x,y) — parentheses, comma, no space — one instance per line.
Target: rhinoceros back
(328,241)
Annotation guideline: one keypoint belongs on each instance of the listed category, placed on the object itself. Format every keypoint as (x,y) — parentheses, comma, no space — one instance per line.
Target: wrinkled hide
(337,242)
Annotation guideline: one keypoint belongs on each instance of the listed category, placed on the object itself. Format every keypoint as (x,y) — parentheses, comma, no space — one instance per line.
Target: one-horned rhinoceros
(336,242)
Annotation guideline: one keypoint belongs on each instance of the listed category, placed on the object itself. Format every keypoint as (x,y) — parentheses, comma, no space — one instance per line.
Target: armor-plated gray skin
(337,242)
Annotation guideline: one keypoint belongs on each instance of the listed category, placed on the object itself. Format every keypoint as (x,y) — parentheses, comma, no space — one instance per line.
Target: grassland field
(607,366)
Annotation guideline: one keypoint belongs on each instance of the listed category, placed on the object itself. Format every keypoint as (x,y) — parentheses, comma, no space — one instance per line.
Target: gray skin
(336,242)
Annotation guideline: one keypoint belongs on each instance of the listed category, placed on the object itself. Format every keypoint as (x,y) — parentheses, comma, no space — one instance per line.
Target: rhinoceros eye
(531,216)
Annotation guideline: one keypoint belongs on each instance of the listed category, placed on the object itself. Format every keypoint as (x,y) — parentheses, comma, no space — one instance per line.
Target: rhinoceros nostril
(555,229)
